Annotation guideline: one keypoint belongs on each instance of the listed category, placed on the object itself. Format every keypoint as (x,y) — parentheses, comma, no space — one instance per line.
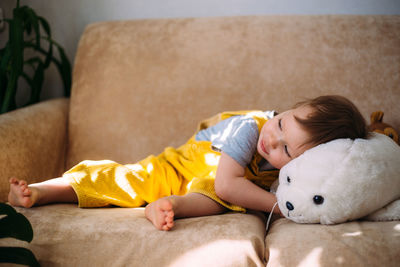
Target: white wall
(68,18)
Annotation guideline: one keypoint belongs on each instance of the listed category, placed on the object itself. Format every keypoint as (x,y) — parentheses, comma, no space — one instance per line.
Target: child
(227,166)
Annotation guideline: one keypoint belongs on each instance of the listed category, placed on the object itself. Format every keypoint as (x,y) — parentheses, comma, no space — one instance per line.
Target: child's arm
(233,187)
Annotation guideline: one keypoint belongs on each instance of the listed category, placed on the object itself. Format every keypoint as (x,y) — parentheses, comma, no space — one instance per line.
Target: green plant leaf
(32,61)
(27,79)
(17,43)
(18,255)
(45,25)
(9,94)
(14,224)
(63,66)
(32,18)
(49,56)
(16,40)
(3,86)
(5,57)
(37,83)
(49,53)
(41,50)
(25,20)
(24,17)
(65,70)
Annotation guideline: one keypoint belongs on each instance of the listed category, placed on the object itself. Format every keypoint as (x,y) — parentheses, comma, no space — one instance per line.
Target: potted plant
(25,33)
(15,225)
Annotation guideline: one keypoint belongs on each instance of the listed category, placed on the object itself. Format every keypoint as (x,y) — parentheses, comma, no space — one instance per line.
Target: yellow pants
(190,168)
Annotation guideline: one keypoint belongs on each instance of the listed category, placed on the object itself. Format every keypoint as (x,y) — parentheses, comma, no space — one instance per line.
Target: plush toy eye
(318,200)
(288,179)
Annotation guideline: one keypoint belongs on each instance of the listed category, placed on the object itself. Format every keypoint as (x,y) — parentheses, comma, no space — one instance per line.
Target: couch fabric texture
(139,86)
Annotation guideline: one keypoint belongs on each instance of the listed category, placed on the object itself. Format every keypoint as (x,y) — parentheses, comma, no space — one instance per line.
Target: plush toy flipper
(390,212)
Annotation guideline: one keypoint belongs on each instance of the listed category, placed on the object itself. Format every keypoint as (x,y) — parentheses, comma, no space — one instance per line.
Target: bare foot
(21,195)
(161,213)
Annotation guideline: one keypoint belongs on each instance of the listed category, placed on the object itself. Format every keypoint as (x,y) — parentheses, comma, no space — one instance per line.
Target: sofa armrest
(33,142)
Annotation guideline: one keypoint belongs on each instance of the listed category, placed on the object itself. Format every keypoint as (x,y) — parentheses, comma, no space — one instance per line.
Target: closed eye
(285,147)
(287,152)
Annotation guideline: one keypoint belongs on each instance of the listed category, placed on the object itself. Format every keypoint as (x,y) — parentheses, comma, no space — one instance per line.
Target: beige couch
(139,86)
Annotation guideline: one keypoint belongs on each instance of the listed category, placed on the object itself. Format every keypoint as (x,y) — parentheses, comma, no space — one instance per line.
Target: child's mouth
(263,148)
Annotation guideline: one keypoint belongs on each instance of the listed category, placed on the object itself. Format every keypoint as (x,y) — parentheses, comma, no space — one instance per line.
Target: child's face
(282,138)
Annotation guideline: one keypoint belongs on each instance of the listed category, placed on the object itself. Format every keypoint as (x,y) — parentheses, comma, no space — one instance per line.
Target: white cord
(270,216)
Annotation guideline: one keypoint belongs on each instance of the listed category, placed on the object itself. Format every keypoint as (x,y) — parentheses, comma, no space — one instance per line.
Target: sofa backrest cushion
(139,86)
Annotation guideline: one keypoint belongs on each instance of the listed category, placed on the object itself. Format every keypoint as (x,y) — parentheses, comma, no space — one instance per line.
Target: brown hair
(333,117)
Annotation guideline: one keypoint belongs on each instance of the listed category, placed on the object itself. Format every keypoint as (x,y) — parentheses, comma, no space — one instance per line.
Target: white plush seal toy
(343,180)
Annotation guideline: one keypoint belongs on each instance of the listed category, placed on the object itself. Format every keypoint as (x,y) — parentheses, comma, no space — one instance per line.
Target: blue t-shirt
(237,136)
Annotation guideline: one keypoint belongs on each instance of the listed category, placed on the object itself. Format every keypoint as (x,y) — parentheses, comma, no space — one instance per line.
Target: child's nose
(274,141)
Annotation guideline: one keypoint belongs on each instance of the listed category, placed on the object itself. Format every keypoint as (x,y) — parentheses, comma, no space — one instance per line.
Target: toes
(168,220)
(165,227)
(169,217)
(13,180)
(170,224)
(26,192)
(161,214)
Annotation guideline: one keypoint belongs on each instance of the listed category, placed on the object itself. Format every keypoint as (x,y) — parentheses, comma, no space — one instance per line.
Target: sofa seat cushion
(65,235)
(358,243)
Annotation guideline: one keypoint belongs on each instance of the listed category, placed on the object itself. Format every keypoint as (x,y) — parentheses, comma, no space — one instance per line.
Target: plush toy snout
(289,205)
(318,200)
(341,180)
